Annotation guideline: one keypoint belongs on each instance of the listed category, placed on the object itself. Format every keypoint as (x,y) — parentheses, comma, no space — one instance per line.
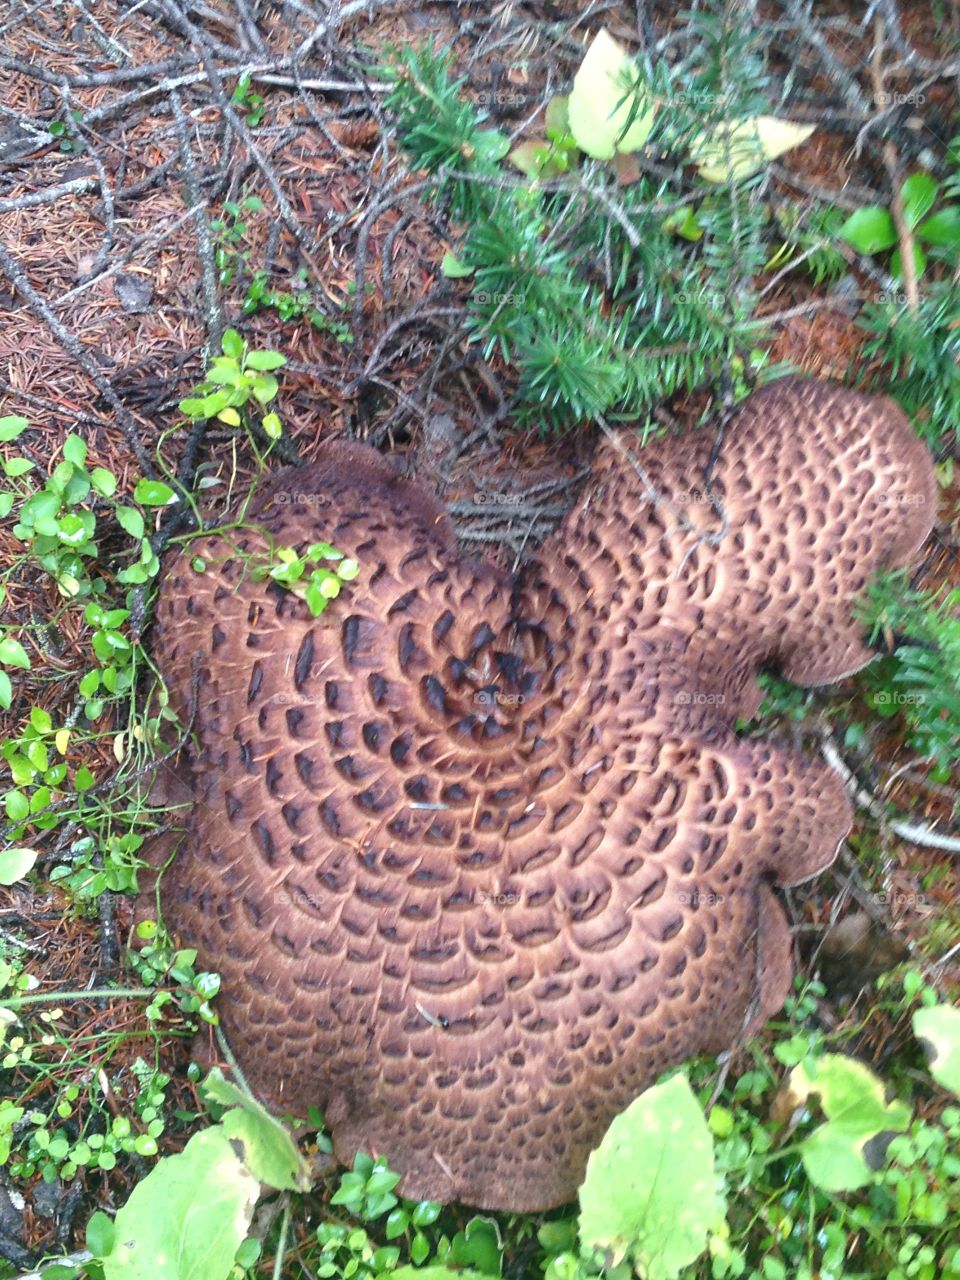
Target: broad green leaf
(649,1191)
(938,1030)
(186,1219)
(942,228)
(272,426)
(153,493)
(6,690)
(453,268)
(853,1101)
(268,1150)
(918,194)
(734,151)
(264,361)
(596,120)
(11,426)
(15,863)
(229,416)
(869,230)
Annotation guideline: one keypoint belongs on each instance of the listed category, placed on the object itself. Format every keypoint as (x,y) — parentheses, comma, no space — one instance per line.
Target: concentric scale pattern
(478,856)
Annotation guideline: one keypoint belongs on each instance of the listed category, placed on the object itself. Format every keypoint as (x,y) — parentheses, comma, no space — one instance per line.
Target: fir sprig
(601,307)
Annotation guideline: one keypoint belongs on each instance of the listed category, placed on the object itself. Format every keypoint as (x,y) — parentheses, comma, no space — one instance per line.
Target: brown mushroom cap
(479,856)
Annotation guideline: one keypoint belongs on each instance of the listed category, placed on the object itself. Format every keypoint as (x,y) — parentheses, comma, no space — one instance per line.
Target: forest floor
(174,169)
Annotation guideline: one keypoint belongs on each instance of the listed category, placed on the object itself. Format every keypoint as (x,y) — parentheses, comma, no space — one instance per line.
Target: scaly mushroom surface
(480,855)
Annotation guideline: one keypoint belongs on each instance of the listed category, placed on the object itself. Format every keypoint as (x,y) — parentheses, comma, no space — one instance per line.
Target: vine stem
(58,997)
(282,1241)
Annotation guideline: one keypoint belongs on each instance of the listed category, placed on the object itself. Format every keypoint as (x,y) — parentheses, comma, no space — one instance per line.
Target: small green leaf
(232,344)
(453,268)
(479,1245)
(491,145)
(11,426)
(75,450)
(100,1234)
(15,863)
(264,361)
(13,468)
(264,388)
(918,194)
(40,720)
(869,230)
(104,482)
(131,521)
(684,223)
(153,493)
(942,228)
(13,654)
(272,426)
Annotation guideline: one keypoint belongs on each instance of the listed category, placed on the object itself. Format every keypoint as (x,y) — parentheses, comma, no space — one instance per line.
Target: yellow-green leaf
(603,82)
(736,151)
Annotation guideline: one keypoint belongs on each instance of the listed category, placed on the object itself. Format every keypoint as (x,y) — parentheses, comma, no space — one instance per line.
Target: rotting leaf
(268,1149)
(938,1030)
(836,1155)
(734,151)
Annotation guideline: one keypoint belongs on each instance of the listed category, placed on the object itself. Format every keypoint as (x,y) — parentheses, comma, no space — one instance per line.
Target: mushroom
(479,855)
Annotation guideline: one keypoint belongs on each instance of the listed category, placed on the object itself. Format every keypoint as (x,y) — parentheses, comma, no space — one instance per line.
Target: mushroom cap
(479,855)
